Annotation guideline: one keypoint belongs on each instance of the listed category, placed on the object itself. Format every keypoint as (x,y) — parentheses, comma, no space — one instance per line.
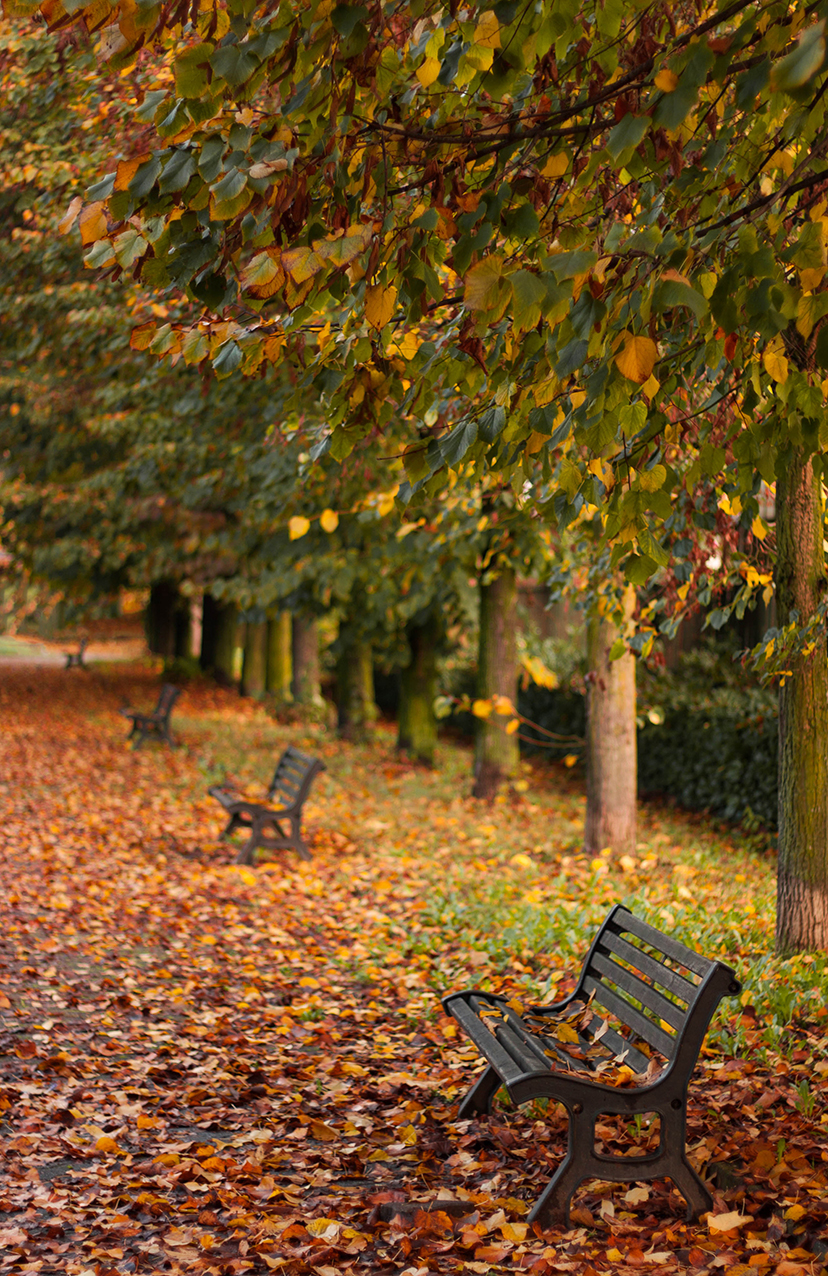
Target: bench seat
(286,796)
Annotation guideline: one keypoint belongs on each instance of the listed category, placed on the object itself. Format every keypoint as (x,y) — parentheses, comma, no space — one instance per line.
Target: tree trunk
(225,644)
(802,884)
(496,754)
(357,711)
(611,762)
(306,686)
(167,621)
(417,725)
(279,660)
(254,667)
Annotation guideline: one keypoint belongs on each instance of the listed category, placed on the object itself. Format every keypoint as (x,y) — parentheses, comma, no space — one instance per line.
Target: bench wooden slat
(627,1013)
(488,1044)
(526,1047)
(649,996)
(662,943)
(615,1044)
(648,965)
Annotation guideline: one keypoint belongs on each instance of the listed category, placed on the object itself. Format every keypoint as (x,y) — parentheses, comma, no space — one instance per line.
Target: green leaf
(346,16)
(191,70)
(227,360)
(672,292)
(627,134)
(639,568)
(568,265)
(144,180)
(234,63)
(528,293)
(178,170)
(456,444)
(803,63)
(491,424)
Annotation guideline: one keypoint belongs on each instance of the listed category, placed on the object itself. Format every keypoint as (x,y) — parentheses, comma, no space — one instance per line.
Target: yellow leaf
(503,706)
(353,1069)
(521,860)
(329,520)
(126,170)
(637,359)
(147,1122)
(408,1136)
(324,1133)
(93,222)
(555,166)
(327,1227)
(482,284)
(651,387)
(564,1032)
(487,31)
(570,759)
(482,708)
(379,304)
(513,726)
(615,1255)
(70,216)
(248,876)
(514,1231)
(666,81)
(776,366)
(106,1144)
(308,981)
(727,1222)
(429,70)
(301,263)
(297,527)
(795,1212)
(758,528)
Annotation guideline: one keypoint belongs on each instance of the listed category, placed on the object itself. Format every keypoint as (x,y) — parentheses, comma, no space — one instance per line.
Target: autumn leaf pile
(212,1068)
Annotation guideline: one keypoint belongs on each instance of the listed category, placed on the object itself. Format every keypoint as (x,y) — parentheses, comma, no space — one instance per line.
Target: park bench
(156,723)
(288,790)
(74,659)
(658,998)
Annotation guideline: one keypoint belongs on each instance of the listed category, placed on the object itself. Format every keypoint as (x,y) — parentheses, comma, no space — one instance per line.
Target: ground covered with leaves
(221,1069)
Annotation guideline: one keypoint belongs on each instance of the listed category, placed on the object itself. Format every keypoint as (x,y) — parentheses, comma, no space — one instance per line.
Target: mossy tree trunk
(279,658)
(167,621)
(356,709)
(254,666)
(496,754)
(611,758)
(416,724)
(802,884)
(306,683)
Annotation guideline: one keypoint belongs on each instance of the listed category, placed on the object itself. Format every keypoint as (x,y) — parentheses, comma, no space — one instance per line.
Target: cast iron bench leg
(479,1098)
(552,1206)
(678,1168)
(245,855)
(296,838)
(233,823)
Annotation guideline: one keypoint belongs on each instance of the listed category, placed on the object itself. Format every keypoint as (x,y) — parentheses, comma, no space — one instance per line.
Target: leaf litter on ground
(214,1068)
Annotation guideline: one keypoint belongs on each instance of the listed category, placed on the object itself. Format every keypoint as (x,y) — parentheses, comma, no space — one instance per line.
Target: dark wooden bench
(287,793)
(657,998)
(156,723)
(74,659)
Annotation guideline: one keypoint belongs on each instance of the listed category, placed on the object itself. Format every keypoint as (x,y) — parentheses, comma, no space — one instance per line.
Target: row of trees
(575,254)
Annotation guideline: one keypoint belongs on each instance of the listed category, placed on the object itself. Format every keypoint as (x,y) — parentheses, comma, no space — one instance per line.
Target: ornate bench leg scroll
(692,1188)
(552,1205)
(479,1098)
(297,839)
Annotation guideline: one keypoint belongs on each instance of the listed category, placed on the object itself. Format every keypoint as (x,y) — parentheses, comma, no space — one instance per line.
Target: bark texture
(356,709)
(225,623)
(496,754)
(306,682)
(279,657)
(611,760)
(167,621)
(802,884)
(417,725)
(254,667)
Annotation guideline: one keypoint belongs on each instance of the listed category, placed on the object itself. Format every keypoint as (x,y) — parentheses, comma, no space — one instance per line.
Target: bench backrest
(293,776)
(655,990)
(166,699)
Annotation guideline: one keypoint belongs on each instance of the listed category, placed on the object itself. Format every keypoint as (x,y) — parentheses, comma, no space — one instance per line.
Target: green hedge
(707,735)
